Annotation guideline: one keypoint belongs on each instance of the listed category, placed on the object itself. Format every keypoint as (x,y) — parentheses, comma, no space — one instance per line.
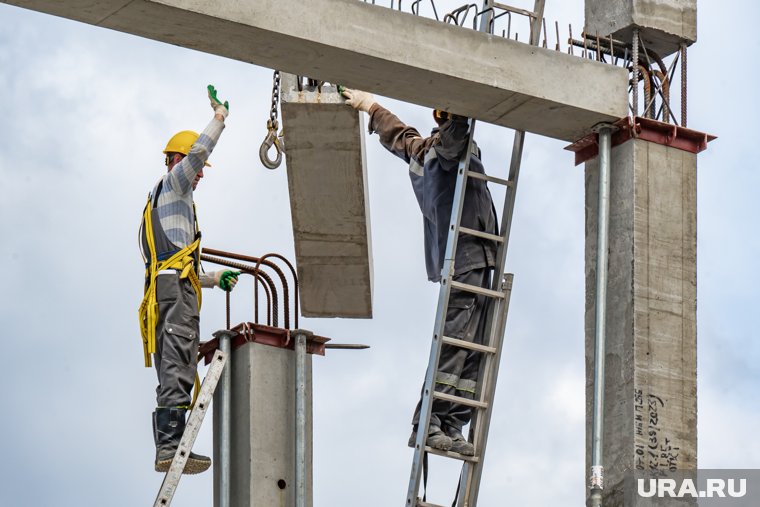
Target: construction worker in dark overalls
(433,163)
(169,313)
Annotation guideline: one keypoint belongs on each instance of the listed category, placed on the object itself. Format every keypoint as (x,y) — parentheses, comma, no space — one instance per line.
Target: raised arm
(181,177)
(397,137)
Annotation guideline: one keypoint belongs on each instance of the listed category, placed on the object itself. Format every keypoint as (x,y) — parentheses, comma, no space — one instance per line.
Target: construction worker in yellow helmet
(169,313)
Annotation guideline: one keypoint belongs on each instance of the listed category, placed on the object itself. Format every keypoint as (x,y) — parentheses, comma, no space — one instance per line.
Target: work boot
(436,439)
(458,442)
(168,427)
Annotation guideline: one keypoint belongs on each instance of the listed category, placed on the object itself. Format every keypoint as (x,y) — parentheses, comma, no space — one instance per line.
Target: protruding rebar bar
(635,68)
(683,84)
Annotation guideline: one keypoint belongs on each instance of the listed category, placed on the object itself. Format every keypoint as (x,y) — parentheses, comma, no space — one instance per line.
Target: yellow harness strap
(184,262)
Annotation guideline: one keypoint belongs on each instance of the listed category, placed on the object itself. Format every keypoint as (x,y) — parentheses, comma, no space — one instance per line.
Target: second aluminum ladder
(496,317)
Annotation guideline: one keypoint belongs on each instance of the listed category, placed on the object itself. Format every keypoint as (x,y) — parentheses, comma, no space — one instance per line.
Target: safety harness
(185,261)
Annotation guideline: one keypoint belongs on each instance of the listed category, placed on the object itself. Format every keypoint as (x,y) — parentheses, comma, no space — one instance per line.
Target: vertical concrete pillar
(263,427)
(650,416)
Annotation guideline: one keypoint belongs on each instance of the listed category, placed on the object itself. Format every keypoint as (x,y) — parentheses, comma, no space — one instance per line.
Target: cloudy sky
(86,113)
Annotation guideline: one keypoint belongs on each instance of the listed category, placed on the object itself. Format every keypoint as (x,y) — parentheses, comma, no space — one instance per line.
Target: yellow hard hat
(181,142)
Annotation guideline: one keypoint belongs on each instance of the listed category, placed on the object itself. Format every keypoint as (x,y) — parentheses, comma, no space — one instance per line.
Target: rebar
(683,84)
(618,50)
(635,65)
(598,48)
(276,269)
(647,78)
(271,290)
(665,93)
(543,22)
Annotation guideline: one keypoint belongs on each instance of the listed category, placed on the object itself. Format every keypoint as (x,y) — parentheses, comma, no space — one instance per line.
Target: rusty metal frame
(646,129)
(250,332)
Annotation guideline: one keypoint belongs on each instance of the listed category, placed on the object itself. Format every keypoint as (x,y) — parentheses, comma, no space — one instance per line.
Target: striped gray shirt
(175,203)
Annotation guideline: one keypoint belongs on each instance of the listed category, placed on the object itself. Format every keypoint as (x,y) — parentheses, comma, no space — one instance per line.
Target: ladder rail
(489,367)
(194,421)
(440,319)
(497,308)
(470,482)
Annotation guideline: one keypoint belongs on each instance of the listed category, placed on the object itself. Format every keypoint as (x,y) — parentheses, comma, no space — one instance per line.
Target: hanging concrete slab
(327,183)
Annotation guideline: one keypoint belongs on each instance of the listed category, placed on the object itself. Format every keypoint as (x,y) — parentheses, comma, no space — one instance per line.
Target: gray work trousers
(458,368)
(177,340)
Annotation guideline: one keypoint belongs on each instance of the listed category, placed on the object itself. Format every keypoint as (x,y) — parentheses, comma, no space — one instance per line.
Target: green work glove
(228,280)
(216,104)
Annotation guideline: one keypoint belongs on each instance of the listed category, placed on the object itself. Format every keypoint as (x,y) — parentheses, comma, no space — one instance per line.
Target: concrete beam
(327,184)
(650,416)
(387,52)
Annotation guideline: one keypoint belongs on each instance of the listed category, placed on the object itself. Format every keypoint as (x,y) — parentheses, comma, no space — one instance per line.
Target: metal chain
(275,98)
(272,138)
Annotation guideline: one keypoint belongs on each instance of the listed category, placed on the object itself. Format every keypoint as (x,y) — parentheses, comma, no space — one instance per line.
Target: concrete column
(650,416)
(263,428)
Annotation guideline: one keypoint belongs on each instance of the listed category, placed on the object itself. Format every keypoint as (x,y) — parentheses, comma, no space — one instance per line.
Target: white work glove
(216,104)
(358,99)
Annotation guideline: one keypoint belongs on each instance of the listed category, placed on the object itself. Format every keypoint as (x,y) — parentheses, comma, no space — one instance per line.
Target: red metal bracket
(643,128)
(248,332)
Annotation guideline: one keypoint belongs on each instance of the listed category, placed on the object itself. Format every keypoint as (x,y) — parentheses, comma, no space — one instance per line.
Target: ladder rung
(477,290)
(449,454)
(481,234)
(420,503)
(492,179)
(458,399)
(468,345)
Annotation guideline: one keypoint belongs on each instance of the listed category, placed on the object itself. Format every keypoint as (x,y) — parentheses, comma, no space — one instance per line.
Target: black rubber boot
(436,439)
(168,427)
(458,442)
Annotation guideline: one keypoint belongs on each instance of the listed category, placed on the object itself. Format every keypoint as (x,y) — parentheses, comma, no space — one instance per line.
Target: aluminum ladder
(173,475)
(496,312)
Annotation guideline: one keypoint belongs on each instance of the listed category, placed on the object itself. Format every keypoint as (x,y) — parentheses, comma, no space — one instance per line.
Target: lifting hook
(272,139)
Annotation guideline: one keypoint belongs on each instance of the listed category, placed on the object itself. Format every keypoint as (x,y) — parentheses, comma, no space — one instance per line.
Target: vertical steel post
(597,469)
(225,393)
(300,472)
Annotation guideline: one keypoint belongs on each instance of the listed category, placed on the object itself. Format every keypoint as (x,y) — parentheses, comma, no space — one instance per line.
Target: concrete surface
(329,203)
(650,418)
(663,24)
(263,427)
(387,52)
